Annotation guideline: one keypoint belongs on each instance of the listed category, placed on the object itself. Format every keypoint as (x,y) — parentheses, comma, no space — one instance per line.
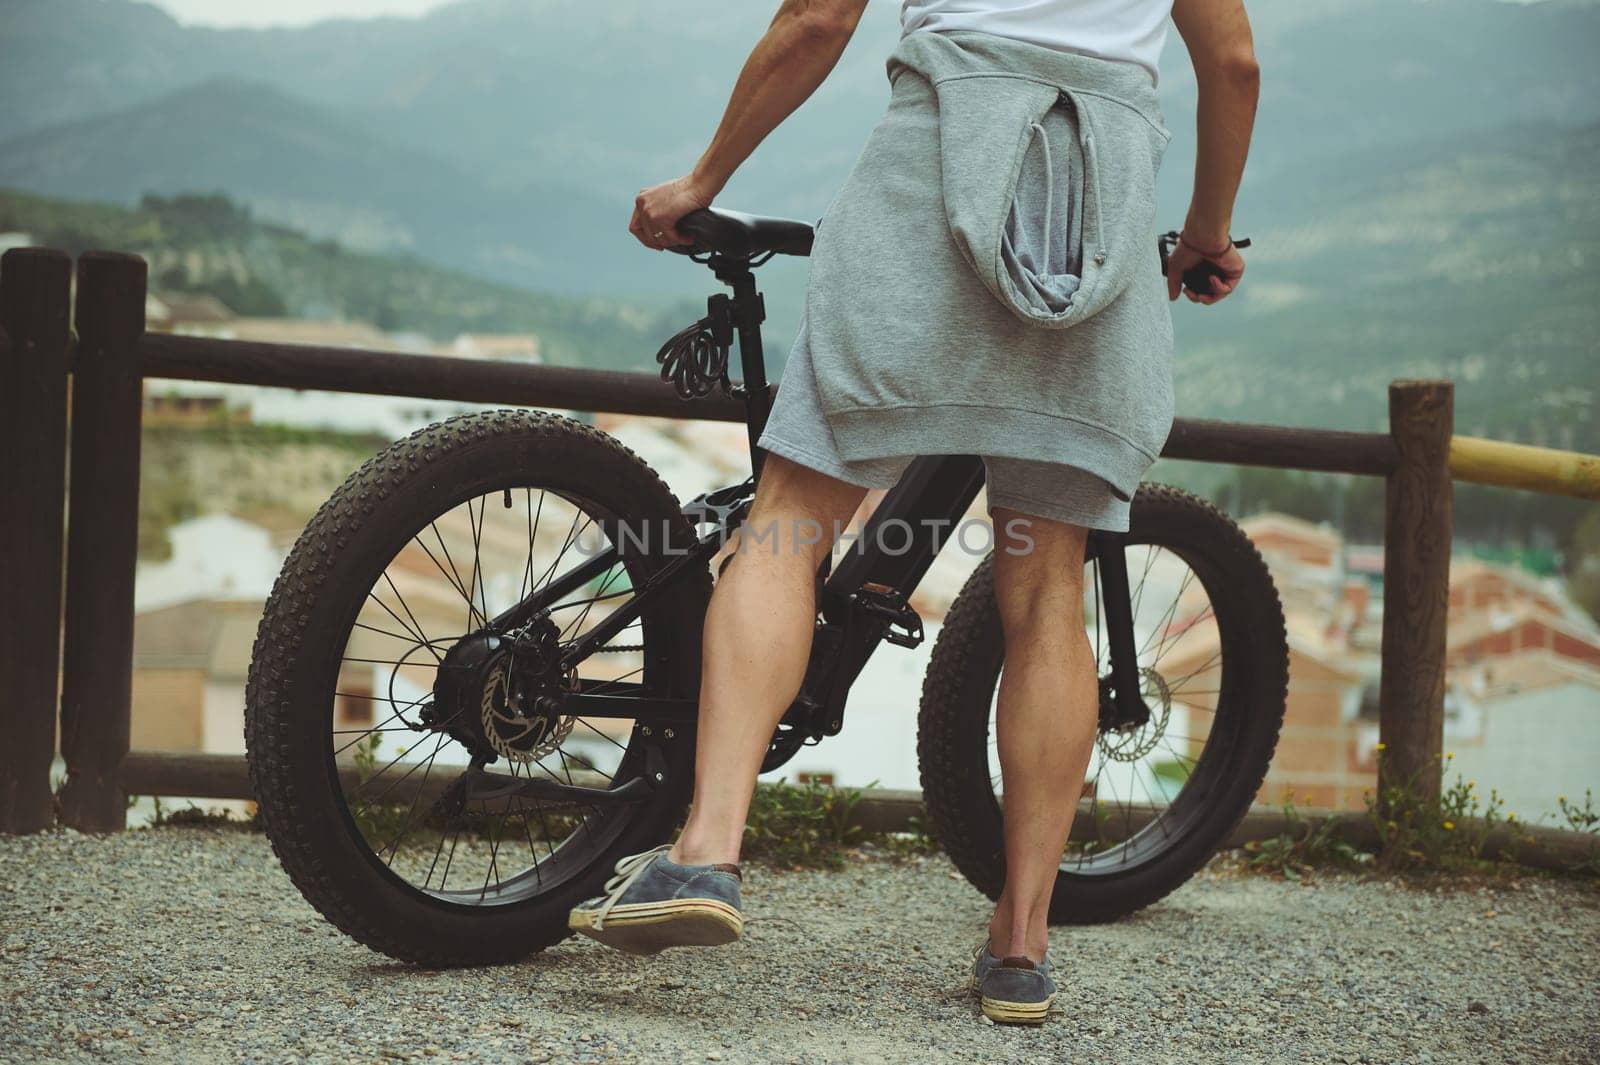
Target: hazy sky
(288,12)
(301,12)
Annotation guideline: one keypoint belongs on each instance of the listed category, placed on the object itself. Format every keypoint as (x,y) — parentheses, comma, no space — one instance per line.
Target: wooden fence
(82,520)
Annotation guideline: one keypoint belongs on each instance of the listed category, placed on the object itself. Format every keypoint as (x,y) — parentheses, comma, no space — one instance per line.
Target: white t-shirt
(1131,31)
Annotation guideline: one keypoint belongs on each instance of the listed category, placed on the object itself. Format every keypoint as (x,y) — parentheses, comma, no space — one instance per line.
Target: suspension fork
(1128,706)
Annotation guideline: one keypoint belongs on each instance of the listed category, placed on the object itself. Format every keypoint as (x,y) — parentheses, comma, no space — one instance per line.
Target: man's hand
(656,212)
(1184,258)
(800,47)
(1217,34)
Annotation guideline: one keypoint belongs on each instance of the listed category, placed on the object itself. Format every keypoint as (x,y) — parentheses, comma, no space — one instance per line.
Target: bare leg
(757,640)
(1045,719)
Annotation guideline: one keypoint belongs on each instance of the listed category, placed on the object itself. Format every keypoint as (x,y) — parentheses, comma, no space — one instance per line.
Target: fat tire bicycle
(518,713)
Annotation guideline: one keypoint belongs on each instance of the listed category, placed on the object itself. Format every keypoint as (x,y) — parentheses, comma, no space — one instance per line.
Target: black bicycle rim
(525,848)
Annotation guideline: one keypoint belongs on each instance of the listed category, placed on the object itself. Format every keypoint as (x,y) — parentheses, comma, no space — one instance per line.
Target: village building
(1523,684)
(507,347)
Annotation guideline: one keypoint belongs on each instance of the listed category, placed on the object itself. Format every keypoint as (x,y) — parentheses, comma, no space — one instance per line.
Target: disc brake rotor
(512,723)
(504,696)
(1132,743)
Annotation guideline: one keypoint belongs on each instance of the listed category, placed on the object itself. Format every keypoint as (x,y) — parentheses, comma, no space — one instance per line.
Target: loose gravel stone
(190,944)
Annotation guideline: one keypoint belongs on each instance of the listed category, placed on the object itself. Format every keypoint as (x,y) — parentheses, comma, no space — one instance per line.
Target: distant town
(1523,660)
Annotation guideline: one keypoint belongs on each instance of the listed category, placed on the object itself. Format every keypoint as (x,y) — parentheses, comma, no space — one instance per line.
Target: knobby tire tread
(298,835)
(956,787)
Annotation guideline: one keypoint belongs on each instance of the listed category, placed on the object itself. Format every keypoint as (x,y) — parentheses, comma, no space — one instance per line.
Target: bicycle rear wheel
(1158,799)
(374,687)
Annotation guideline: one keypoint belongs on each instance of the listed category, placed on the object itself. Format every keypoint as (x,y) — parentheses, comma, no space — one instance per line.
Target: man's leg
(1045,719)
(757,641)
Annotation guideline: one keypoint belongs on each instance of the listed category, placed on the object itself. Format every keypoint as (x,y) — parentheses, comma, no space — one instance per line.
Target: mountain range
(508,136)
(1422,185)
(210,245)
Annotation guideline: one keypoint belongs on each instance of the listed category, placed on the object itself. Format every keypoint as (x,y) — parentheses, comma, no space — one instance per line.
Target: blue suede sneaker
(982,962)
(1012,990)
(652,903)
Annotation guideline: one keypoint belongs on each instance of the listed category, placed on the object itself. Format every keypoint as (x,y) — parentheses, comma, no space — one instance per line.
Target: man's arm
(795,55)
(1217,33)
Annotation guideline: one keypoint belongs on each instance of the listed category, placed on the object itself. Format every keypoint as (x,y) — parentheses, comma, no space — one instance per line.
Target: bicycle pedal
(904,625)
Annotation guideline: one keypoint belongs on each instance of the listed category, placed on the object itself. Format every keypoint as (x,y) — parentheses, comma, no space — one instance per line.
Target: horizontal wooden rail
(1282,447)
(1537,469)
(388,373)
(227,776)
(117,354)
(224,776)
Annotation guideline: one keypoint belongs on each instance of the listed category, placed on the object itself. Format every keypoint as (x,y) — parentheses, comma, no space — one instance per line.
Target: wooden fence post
(1416,585)
(102,540)
(35,293)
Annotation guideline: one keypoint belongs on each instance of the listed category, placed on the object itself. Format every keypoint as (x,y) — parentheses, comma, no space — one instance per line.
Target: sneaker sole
(1003,1012)
(651,927)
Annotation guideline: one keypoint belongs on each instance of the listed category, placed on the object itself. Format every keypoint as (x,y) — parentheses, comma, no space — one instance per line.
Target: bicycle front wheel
(1159,798)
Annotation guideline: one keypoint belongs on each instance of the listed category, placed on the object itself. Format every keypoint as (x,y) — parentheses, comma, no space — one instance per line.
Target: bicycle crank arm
(488,787)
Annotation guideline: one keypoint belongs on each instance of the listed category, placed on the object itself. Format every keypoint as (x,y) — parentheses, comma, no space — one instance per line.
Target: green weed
(1584,819)
(1420,833)
(800,827)
(1303,847)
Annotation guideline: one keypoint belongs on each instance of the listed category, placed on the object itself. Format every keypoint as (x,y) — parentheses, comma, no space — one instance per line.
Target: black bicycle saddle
(742,236)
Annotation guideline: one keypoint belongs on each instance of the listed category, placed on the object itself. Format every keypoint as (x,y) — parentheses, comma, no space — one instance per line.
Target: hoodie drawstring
(1091,166)
(1049,192)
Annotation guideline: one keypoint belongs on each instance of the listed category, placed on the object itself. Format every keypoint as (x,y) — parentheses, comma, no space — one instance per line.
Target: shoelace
(628,870)
(977,955)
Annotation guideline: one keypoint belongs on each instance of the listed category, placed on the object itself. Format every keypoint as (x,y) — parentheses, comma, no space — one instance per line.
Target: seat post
(749,311)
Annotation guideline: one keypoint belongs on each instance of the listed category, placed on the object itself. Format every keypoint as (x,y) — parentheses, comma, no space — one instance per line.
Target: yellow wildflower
(1449,826)
(1383,746)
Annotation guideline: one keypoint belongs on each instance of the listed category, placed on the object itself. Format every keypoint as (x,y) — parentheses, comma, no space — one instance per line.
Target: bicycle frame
(862,601)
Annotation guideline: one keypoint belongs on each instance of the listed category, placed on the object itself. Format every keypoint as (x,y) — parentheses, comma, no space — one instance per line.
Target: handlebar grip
(1198,277)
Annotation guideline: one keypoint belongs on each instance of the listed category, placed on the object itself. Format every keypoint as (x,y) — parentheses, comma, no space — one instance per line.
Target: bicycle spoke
(494,854)
(602,735)
(600,686)
(577,625)
(1188,626)
(590,766)
(420,632)
(533,852)
(453,577)
(412,806)
(394,845)
(525,588)
(477,557)
(1201,668)
(444,878)
(1138,592)
(1166,619)
(573,603)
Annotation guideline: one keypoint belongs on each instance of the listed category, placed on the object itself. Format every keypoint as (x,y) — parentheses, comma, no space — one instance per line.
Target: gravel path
(191,945)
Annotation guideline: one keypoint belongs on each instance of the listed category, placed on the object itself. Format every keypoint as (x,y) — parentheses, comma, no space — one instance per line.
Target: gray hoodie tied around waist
(986,281)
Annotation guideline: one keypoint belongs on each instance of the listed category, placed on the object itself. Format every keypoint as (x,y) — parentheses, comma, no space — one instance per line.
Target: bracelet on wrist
(1209,254)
